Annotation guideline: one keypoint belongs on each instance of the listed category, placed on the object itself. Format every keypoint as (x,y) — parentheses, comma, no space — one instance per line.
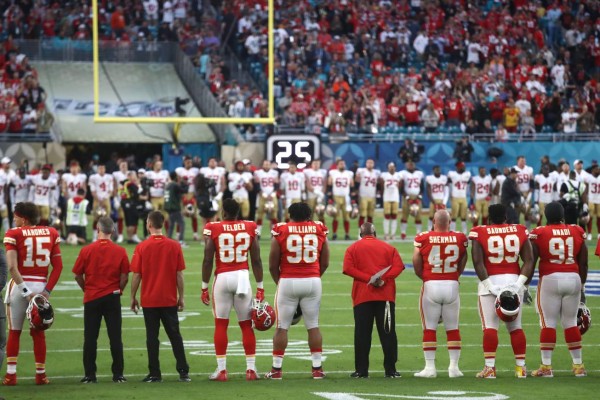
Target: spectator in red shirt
(373,298)
(411,113)
(117,22)
(102,270)
(497,107)
(453,111)
(158,262)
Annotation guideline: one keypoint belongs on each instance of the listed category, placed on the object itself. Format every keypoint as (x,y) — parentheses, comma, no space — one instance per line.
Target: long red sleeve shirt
(365,258)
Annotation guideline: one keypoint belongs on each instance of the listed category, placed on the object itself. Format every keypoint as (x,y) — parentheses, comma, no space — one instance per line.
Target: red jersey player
(299,256)
(230,241)
(496,252)
(439,259)
(563,269)
(30,250)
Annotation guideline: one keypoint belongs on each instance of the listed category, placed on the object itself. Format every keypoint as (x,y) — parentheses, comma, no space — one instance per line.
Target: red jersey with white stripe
(36,246)
(558,246)
(441,252)
(232,241)
(300,245)
(501,246)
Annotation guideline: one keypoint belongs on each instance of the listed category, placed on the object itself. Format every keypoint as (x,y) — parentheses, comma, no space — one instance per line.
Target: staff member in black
(102,270)
(373,299)
(510,197)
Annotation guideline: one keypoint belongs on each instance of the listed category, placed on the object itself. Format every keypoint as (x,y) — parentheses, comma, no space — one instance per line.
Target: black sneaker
(119,379)
(394,374)
(358,375)
(152,379)
(334,237)
(184,377)
(88,379)
(347,237)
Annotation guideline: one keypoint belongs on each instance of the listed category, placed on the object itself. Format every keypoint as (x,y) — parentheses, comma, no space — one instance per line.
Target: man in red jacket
(374,265)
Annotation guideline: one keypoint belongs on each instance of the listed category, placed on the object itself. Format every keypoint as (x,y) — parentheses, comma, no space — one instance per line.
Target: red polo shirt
(365,258)
(102,264)
(158,259)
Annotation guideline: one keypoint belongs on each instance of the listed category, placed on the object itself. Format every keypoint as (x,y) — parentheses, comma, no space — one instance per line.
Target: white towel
(243,287)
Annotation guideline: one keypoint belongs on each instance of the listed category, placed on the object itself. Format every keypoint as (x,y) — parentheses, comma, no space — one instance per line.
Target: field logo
(437,395)
(297,349)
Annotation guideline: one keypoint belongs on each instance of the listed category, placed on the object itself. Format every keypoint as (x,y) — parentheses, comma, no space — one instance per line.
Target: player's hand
(30,297)
(527,299)
(205,297)
(180,304)
(45,293)
(135,306)
(260,294)
(379,282)
(495,290)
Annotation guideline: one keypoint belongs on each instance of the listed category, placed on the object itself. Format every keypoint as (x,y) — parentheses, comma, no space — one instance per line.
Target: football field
(65,341)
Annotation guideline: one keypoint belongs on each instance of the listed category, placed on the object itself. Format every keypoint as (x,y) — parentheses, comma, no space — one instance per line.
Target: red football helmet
(584,318)
(40,313)
(508,305)
(263,315)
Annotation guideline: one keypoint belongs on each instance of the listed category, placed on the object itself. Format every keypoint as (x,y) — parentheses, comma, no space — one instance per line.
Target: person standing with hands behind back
(158,264)
(373,298)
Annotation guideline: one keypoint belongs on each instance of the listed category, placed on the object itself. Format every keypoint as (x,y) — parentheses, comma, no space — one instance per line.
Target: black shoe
(334,237)
(347,237)
(394,374)
(357,375)
(184,377)
(119,379)
(88,379)
(152,379)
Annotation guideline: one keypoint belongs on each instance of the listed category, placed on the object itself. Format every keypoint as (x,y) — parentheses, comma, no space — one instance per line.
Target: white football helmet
(331,210)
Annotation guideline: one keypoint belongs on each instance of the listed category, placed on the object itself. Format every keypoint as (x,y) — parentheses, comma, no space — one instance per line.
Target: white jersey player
(437,191)
(43,193)
(581,174)
(593,184)
(188,174)
(267,180)
(459,182)
(103,189)
(73,180)
(316,186)
(341,182)
(120,176)
(367,178)
(4,197)
(239,183)
(481,194)
(19,187)
(390,181)
(496,185)
(524,183)
(544,190)
(411,187)
(158,178)
(293,186)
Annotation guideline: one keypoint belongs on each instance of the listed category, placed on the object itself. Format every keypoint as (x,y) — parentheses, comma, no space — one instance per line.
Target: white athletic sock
(394,227)
(454,357)
(429,358)
(251,362)
(464,226)
(316,359)
(490,362)
(418,228)
(547,357)
(520,362)
(386,227)
(221,363)
(11,368)
(452,225)
(403,227)
(277,361)
(576,356)
(259,229)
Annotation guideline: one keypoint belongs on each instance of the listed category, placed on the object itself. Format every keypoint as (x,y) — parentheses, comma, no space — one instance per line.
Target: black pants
(364,314)
(153,316)
(175,217)
(109,308)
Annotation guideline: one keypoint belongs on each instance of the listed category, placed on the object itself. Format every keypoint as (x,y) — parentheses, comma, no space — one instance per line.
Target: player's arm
(352,270)
(472,191)
(12,262)
(582,261)
(330,189)
(249,185)
(528,263)
(417,260)
(57,267)
(257,269)
(462,263)
(324,258)
(274,260)
(207,264)
(135,284)
(429,194)
(536,192)
(63,187)
(477,256)
(180,290)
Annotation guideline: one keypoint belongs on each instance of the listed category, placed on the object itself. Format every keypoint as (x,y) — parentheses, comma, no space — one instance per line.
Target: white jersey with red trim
(73,183)
(368,182)
(412,182)
(594,189)
(159,182)
(102,185)
(524,177)
(266,180)
(188,176)
(437,185)
(292,185)
(460,183)
(482,186)
(42,190)
(391,191)
(546,188)
(341,182)
(317,179)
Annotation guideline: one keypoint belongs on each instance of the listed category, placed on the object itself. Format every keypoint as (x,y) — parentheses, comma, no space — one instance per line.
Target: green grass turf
(65,340)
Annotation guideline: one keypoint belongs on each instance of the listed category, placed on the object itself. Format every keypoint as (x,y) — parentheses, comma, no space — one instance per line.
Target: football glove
(205,297)
(260,294)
